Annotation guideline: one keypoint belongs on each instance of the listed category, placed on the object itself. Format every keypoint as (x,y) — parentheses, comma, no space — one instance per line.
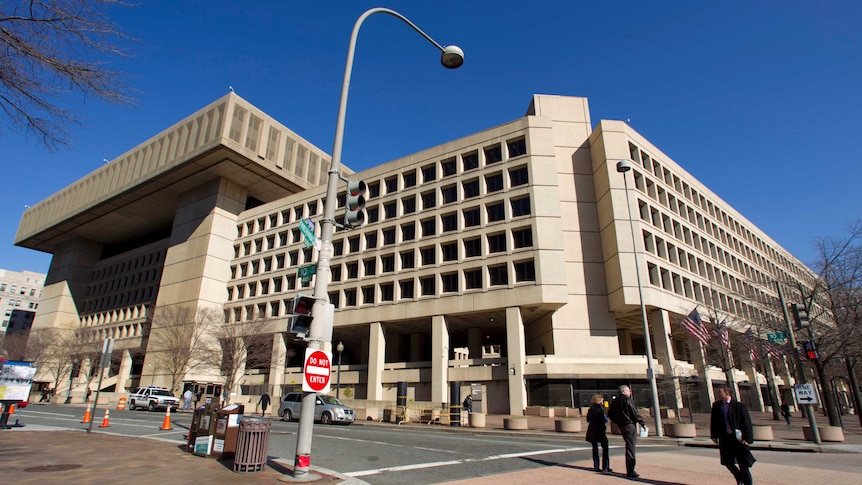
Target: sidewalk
(34,454)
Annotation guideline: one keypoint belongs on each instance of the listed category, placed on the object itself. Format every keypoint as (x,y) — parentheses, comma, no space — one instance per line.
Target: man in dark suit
(624,414)
(730,427)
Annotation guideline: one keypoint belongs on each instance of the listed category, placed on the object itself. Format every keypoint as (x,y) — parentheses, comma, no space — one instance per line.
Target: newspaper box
(202,430)
(226,431)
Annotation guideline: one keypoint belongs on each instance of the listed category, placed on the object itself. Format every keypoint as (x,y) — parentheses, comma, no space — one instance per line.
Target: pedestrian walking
(785,411)
(89,391)
(597,432)
(624,414)
(468,404)
(730,428)
(187,400)
(264,403)
(46,393)
(198,397)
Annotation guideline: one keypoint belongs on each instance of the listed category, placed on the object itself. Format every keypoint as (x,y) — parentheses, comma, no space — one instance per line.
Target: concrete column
(277,364)
(376,361)
(751,372)
(661,337)
(625,337)
(517,355)
(474,342)
(439,359)
(125,370)
(698,357)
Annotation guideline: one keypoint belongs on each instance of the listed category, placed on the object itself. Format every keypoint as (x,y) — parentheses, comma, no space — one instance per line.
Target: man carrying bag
(624,414)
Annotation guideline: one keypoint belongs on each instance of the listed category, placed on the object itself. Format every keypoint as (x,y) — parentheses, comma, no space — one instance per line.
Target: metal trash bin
(252,445)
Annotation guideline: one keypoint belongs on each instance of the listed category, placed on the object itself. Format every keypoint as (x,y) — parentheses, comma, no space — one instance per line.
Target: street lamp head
(624,166)
(453,57)
(339,347)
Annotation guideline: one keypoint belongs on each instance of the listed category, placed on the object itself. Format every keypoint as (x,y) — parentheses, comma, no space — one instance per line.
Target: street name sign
(316,371)
(777,337)
(306,227)
(805,394)
(306,272)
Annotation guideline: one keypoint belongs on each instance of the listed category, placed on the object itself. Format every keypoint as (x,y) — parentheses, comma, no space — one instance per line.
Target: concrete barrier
(827,433)
(477,420)
(564,425)
(762,432)
(516,423)
(680,430)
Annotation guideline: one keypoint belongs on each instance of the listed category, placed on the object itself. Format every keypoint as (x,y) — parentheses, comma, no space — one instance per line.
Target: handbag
(644,432)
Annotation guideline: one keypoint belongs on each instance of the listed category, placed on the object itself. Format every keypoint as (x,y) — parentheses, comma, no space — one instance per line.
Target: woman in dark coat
(597,432)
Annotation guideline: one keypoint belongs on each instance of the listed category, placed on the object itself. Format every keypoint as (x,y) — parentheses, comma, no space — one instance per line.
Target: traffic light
(809,350)
(800,315)
(354,214)
(300,321)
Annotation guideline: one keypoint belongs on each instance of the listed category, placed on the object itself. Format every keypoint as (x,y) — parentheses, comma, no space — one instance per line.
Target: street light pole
(340,349)
(320,330)
(624,166)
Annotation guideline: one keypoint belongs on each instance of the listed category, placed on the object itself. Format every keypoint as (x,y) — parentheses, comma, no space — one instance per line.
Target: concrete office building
(503,260)
(20,292)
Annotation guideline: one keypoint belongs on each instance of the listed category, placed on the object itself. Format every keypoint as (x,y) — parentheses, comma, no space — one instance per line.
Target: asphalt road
(380,454)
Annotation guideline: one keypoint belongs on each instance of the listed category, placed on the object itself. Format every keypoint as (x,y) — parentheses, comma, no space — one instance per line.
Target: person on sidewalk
(468,404)
(187,400)
(785,411)
(730,428)
(198,397)
(597,432)
(89,392)
(264,403)
(624,414)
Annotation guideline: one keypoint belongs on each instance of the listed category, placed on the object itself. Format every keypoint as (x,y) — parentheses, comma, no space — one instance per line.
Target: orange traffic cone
(166,424)
(87,417)
(11,409)
(105,423)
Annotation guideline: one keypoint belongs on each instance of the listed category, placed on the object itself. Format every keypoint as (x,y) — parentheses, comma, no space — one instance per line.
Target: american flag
(693,325)
(751,344)
(720,331)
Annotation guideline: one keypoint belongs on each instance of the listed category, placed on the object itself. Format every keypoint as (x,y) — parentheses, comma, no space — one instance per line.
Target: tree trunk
(828,395)
(854,386)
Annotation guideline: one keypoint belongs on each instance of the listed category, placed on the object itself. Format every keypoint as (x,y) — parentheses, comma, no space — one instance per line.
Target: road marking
(66,417)
(419,466)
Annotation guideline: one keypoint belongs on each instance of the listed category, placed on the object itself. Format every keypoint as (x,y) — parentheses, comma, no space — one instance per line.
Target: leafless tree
(51,49)
(181,341)
(244,346)
(15,346)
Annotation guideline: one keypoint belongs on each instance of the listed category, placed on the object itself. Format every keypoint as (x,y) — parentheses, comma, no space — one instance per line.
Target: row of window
(467,279)
(462,163)
(13,289)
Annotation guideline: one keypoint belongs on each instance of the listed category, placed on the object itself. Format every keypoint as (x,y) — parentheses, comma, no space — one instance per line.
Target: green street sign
(777,337)
(305,272)
(307,232)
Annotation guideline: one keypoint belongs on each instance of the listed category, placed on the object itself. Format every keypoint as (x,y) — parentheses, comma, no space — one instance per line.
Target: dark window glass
(350,297)
(406,288)
(335,299)
(471,217)
(496,211)
(370,266)
(312,208)
(494,182)
(450,282)
(371,240)
(428,255)
(408,260)
(473,279)
(410,179)
(336,272)
(450,251)
(387,292)
(448,167)
(449,194)
(409,204)
(372,213)
(429,199)
(368,295)
(391,184)
(471,188)
(338,247)
(352,270)
(471,161)
(429,227)
(373,190)
(449,222)
(389,236)
(389,210)
(523,238)
(429,173)
(408,232)
(493,154)
(472,247)
(518,176)
(294,257)
(497,275)
(517,147)
(525,271)
(521,207)
(388,263)
(427,284)
(497,243)
(353,244)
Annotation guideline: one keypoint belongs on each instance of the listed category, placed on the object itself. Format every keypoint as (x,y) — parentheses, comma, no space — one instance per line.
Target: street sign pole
(800,372)
(104,362)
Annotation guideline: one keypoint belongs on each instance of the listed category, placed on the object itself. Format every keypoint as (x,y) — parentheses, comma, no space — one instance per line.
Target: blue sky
(758,100)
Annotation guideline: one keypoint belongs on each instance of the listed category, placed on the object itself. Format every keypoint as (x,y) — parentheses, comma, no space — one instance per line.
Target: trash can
(252,445)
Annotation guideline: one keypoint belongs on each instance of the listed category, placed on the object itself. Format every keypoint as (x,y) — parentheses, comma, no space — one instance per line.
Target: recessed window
(294,257)
(350,297)
(497,275)
(390,210)
(448,167)
(370,266)
(427,285)
(428,255)
(336,272)
(335,299)
(521,206)
(496,211)
(409,179)
(389,236)
(367,295)
(391,184)
(371,240)
(449,222)
(494,182)
(450,251)
(450,282)
(372,213)
(497,242)
(516,147)
(493,154)
(428,227)
(470,161)
(338,247)
(408,259)
(406,287)
(522,238)
(408,232)
(387,263)
(471,188)
(353,244)
(373,190)
(352,270)
(472,279)
(429,199)
(429,173)
(525,271)
(387,292)
(518,176)
(472,247)
(409,204)
(472,217)
(449,194)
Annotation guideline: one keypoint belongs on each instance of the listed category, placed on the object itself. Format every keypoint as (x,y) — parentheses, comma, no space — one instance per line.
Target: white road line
(419,466)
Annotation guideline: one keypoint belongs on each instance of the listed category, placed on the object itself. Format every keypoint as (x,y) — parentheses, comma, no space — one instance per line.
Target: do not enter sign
(316,371)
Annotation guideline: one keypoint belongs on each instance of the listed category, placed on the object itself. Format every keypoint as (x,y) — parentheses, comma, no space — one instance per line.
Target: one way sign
(805,394)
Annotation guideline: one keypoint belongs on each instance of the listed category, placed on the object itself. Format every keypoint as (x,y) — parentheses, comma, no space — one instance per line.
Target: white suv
(327,409)
(152,398)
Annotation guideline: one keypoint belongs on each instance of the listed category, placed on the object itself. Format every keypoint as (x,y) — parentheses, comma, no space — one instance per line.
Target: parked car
(327,409)
(152,398)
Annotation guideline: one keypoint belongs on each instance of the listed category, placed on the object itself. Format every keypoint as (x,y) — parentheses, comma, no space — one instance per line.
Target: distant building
(503,260)
(20,293)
